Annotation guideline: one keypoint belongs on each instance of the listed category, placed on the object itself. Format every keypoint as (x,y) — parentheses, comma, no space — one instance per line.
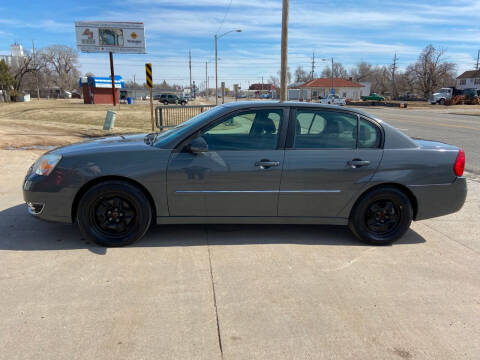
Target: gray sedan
(251,162)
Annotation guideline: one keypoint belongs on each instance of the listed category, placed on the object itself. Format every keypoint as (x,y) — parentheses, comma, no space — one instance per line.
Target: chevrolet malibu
(251,163)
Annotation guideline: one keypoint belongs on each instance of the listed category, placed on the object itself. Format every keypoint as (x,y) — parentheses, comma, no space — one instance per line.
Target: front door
(325,165)
(240,173)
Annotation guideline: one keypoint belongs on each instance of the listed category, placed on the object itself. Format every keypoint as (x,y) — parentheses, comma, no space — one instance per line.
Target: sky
(349,31)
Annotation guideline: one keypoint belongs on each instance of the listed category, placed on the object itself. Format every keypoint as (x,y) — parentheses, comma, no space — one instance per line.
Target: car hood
(105,144)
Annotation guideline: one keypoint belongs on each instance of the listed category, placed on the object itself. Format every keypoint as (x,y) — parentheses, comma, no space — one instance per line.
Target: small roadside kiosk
(98,90)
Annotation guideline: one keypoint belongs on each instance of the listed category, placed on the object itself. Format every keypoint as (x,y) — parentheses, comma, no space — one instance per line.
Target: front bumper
(439,200)
(46,200)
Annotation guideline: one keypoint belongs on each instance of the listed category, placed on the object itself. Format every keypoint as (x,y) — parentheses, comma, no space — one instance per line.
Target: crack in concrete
(219,335)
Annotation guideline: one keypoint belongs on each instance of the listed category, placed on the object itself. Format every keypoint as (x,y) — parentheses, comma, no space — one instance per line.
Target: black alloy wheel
(114,213)
(381,216)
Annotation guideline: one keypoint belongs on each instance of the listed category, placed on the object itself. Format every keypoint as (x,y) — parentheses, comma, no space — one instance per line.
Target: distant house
(260,87)
(321,87)
(469,80)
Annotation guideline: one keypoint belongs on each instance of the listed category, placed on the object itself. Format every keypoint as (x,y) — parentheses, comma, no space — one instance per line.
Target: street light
(216,61)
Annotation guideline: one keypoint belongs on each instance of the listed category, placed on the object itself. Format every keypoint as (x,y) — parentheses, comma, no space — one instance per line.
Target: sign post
(149,82)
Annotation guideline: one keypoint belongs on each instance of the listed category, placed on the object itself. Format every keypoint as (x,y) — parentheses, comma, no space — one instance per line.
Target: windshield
(445,90)
(169,134)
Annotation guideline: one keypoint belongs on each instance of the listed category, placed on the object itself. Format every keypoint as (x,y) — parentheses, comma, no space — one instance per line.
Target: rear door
(240,173)
(329,159)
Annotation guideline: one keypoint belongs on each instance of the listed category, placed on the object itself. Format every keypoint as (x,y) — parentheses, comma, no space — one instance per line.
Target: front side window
(249,130)
(325,130)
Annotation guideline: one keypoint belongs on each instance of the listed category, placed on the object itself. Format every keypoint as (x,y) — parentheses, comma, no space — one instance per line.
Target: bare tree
(22,68)
(339,71)
(362,72)
(274,80)
(431,71)
(61,65)
(301,75)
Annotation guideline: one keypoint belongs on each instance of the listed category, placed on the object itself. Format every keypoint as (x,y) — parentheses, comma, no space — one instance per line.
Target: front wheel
(442,102)
(183,103)
(114,213)
(165,102)
(381,216)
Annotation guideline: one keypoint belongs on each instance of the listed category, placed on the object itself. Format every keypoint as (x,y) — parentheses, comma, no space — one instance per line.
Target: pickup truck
(373,97)
(333,100)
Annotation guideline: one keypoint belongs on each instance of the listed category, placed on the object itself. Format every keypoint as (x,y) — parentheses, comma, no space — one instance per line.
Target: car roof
(238,105)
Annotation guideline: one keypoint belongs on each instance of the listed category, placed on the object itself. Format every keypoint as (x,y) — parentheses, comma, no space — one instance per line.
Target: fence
(173,115)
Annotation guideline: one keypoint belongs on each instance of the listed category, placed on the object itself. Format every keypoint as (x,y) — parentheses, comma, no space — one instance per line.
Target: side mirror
(198,145)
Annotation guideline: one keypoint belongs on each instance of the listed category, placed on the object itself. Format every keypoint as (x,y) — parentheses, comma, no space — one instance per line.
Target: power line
(225,16)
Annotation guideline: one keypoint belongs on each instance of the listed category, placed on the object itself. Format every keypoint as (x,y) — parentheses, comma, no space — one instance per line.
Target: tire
(114,213)
(441,101)
(183,103)
(165,102)
(381,216)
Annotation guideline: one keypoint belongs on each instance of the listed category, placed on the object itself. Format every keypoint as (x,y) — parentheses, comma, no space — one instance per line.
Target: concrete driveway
(236,292)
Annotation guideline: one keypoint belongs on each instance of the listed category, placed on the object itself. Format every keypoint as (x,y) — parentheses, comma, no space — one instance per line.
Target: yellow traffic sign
(148,72)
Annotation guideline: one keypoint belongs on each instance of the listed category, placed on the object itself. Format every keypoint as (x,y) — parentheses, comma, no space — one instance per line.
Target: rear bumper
(439,200)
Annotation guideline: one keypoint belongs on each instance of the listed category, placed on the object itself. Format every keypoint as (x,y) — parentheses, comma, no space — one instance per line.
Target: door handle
(356,163)
(265,164)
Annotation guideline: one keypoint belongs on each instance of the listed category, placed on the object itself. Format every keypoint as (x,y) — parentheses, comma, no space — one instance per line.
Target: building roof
(327,83)
(260,86)
(470,74)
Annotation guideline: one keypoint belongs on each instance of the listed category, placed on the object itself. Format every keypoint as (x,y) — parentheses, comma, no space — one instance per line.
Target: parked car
(333,100)
(373,97)
(172,99)
(265,96)
(251,162)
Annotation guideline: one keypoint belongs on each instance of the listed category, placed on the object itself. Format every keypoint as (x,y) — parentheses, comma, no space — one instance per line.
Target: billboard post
(113,79)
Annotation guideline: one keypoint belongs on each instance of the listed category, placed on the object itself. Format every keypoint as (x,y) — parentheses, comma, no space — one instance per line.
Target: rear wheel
(114,213)
(183,103)
(381,216)
(165,102)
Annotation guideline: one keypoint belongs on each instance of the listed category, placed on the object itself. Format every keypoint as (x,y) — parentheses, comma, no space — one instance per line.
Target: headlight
(45,165)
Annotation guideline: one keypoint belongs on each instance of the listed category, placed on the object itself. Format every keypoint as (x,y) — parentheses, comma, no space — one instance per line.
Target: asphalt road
(436,124)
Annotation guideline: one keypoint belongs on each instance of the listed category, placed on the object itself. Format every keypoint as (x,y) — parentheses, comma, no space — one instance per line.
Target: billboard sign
(109,36)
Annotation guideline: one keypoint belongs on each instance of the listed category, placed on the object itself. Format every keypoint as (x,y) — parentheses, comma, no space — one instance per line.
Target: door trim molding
(256,191)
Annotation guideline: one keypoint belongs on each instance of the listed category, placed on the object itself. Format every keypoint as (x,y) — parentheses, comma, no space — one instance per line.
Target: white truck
(443,95)
(333,100)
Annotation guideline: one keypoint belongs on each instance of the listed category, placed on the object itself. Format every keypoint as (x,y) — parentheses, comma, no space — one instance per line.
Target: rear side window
(325,130)
(369,135)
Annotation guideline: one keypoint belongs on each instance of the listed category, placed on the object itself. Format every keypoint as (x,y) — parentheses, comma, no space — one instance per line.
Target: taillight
(459,165)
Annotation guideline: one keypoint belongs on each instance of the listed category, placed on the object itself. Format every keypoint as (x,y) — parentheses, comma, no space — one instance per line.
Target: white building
(469,80)
(16,55)
(344,88)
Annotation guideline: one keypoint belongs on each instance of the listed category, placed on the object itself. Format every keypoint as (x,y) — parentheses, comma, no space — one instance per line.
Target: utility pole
(135,89)
(36,70)
(394,69)
(216,69)
(478,58)
(313,66)
(206,79)
(284,52)
(332,77)
(190,68)
(262,83)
